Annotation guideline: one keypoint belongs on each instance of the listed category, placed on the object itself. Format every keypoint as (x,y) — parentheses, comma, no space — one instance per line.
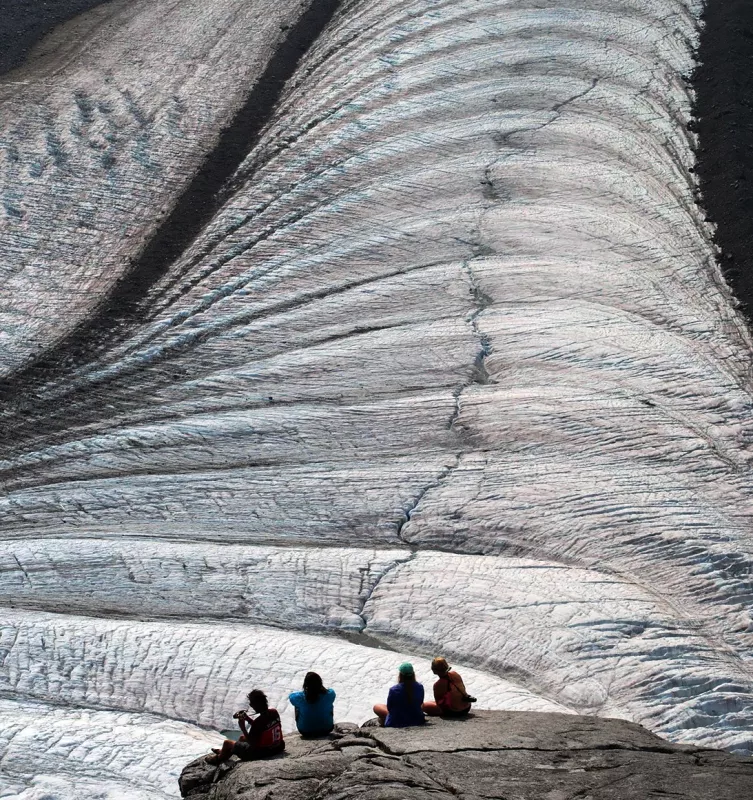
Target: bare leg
(223,754)
(381,711)
(431,709)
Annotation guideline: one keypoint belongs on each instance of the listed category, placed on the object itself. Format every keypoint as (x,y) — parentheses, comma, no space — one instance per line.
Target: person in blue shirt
(314,707)
(403,701)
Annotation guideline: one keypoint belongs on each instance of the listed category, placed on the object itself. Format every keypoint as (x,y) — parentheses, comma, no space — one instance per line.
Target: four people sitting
(314,711)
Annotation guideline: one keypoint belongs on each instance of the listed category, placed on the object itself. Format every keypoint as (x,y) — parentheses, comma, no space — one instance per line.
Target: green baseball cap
(406,669)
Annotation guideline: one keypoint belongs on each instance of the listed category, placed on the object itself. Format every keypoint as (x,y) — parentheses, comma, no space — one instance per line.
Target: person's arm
(293,698)
(256,729)
(242,720)
(440,689)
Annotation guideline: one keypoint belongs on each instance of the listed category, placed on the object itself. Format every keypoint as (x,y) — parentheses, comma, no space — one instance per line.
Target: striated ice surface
(308,589)
(450,369)
(112,754)
(99,132)
(541,623)
(198,672)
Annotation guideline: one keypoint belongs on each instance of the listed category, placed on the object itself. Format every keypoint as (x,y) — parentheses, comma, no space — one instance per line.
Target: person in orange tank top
(450,696)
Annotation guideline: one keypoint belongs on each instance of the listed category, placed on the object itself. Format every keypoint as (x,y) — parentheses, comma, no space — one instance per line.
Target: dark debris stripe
(723,113)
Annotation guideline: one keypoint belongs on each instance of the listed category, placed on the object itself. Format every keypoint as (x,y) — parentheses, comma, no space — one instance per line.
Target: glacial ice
(100,132)
(68,753)
(451,368)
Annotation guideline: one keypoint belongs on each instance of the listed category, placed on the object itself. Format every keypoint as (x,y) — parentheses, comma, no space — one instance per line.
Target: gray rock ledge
(493,754)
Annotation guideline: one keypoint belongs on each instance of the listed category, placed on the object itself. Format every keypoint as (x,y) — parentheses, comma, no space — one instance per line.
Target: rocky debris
(723,121)
(492,754)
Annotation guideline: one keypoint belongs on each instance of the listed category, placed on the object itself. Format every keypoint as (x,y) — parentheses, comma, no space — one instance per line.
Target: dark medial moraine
(723,111)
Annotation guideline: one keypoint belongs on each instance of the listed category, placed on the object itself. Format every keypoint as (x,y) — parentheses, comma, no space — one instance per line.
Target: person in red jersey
(261,736)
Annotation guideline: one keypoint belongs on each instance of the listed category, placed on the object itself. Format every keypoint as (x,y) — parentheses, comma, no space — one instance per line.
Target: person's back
(450,696)
(404,710)
(265,735)
(314,707)
(450,693)
(404,700)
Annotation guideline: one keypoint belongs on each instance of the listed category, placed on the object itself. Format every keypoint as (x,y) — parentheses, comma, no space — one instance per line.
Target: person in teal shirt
(314,707)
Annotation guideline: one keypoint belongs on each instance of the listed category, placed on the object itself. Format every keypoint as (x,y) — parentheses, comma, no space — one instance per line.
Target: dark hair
(313,687)
(407,678)
(258,700)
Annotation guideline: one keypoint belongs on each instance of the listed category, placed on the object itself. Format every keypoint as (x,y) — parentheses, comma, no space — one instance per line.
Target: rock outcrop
(493,754)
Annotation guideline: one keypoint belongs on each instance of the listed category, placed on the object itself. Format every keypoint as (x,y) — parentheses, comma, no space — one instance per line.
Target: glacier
(444,363)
